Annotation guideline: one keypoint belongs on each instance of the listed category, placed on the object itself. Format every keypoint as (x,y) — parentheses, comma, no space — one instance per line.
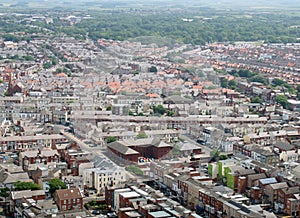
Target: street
(96,151)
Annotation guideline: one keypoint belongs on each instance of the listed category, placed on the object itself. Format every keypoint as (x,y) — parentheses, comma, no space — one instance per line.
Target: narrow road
(96,151)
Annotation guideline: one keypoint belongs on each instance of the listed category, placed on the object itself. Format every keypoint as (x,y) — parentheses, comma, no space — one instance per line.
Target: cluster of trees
(50,63)
(280,84)
(54,184)
(227,84)
(16,38)
(255,77)
(19,186)
(283,100)
(4,192)
(17,57)
(242,73)
(62,70)
(175,151)
(207,26)
(96,205)
(141,135)
(111,139)
(256,100)
(160,110)
(218,27)
(131,113)
(250,75)
(216,155)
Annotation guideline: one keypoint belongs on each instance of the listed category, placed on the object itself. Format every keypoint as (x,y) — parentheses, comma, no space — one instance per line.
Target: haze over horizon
(220,4)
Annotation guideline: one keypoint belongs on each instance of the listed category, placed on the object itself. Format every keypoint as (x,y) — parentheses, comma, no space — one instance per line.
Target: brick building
(17,143)
(68,199)
(149,147)
(74,156)
(123,152)
(38,156)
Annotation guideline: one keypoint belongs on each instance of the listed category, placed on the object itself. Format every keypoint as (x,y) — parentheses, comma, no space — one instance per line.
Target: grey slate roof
(120,147)
(187,146)
(284,146)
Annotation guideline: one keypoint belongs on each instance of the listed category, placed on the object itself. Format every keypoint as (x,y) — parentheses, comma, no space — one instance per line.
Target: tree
(259,79)
(15,57)
(59,70)
(28,58)
(234,73)
(176,150)
(246,73)
(290,88)
(282,99)
(159,109)
(93,203)
(141,135)
(277,82)
(4,192)
(215,155)
(108,108)
(47,65)
(153,69)
(55,184)
(18,186)
(54,62)
(170,113)
(65,70)
(256,100)
(111,139)
(224,82)
(130,113)
(232,84)
(223,157)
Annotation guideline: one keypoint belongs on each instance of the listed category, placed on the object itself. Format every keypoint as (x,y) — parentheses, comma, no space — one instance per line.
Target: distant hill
(221,4)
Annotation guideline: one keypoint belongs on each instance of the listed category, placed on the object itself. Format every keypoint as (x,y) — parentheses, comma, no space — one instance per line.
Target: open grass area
(134,169)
